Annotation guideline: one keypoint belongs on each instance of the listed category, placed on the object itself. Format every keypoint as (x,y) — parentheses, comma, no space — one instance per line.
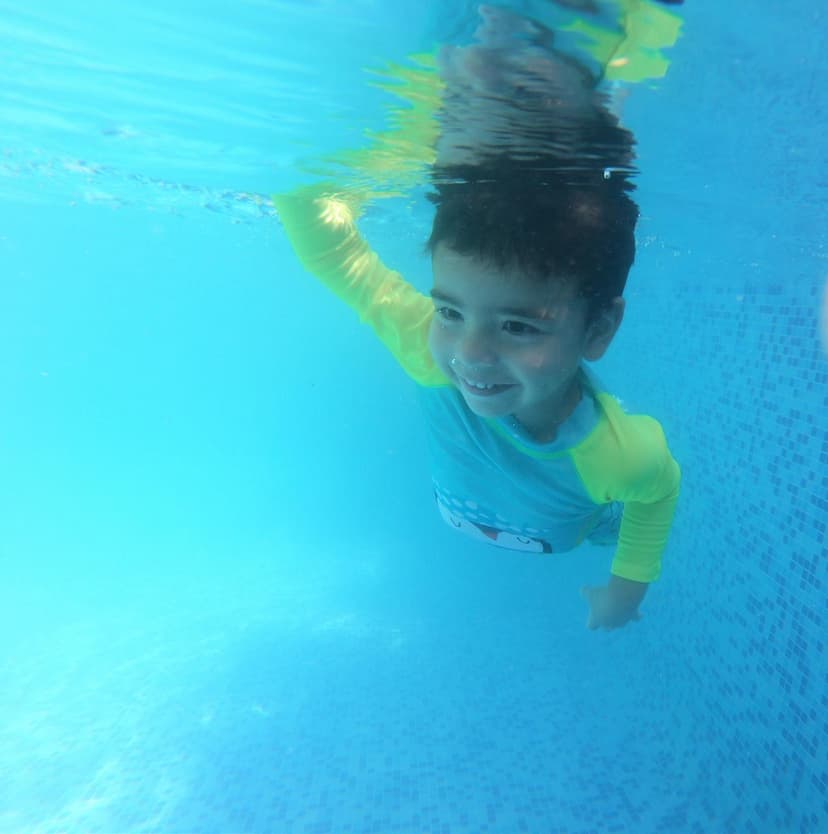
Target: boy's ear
(601,331)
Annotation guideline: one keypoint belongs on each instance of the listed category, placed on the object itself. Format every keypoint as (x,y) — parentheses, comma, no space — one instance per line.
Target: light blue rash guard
(494,482)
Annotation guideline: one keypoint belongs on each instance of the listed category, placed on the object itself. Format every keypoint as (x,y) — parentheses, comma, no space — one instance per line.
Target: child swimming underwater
(530,258)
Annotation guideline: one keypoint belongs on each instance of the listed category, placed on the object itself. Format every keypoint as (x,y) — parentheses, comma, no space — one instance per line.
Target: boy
(528,451)
(530,256)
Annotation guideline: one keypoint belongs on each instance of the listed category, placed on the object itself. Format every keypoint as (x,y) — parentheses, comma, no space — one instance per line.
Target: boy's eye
(519,328)
(448,313)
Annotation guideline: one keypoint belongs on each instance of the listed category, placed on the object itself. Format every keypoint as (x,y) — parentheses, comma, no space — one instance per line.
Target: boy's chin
(491,407)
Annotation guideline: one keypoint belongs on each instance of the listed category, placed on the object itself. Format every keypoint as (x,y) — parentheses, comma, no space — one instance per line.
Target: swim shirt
(491,479)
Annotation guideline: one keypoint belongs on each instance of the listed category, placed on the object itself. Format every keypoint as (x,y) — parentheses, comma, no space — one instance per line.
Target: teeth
(479,386)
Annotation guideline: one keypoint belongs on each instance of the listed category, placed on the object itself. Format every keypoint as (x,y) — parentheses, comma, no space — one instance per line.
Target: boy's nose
(475,348)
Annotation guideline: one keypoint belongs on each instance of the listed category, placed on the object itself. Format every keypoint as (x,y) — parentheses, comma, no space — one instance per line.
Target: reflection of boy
(528,451)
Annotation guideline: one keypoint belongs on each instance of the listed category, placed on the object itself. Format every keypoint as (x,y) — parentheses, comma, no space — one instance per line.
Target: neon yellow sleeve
(628,460)
(321,226)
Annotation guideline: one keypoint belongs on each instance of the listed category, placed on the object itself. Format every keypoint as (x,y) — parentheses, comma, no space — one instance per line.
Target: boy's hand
(615,604)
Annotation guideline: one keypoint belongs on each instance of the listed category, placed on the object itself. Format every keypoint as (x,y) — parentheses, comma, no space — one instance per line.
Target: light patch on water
(383,635)
(343,623)
(72,181)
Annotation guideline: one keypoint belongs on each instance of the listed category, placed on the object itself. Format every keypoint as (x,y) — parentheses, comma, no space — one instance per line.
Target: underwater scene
(414,417)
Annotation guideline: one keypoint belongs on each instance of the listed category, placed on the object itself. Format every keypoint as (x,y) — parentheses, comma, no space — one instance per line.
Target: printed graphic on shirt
(467,517)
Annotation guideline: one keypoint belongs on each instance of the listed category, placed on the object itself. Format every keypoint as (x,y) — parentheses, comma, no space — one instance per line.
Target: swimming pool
(228,603)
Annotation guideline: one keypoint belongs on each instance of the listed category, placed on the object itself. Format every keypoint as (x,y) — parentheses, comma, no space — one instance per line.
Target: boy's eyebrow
(437,295)
(519,312)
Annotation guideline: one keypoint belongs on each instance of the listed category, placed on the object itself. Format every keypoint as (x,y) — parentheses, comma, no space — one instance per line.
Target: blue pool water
(227,603)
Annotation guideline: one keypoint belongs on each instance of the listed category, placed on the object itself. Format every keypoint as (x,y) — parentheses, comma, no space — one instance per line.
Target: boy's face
(512,345)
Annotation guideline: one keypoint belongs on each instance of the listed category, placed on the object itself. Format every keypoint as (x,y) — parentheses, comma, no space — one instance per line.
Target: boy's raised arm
(321,225)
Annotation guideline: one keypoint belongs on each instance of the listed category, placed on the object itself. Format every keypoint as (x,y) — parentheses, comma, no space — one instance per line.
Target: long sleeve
(321,226)
(629,461)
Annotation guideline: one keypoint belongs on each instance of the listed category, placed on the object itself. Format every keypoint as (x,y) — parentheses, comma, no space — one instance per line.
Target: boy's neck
(547,431)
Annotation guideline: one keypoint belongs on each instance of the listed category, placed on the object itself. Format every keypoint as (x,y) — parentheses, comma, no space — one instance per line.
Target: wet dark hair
(551,224)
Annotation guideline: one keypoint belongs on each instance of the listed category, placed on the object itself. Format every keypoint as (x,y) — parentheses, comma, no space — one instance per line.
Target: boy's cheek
(438,345)
(537,361)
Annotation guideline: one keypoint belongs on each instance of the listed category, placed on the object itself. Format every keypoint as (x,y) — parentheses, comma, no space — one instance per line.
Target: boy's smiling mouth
(482,389)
